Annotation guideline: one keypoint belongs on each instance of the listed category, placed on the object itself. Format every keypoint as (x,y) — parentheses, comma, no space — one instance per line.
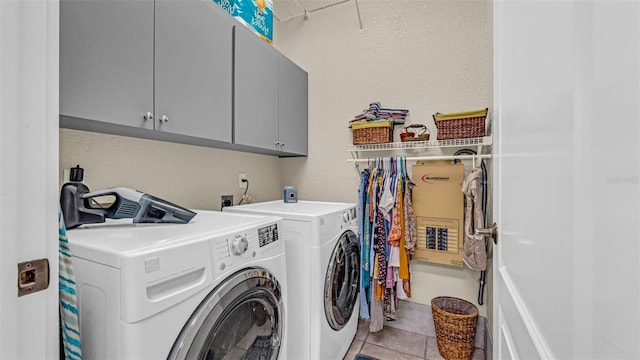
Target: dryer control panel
(349,218)
(349,215)
(333,223)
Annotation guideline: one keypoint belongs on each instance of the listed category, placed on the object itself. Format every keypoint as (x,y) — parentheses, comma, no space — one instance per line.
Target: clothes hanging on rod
(387,239)
(364,228)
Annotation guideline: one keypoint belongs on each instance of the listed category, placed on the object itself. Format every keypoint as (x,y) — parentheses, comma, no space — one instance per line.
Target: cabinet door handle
(148,116)
(164,119)
(281,145)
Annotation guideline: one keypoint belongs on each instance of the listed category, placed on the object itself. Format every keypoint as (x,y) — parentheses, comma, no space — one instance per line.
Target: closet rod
(443,157)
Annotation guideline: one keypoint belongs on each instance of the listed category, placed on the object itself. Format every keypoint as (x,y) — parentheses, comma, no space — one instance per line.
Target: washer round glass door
(342,281)
(242,318)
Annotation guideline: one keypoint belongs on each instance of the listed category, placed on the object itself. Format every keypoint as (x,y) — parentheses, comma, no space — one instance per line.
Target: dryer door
(242,318)
(342,281)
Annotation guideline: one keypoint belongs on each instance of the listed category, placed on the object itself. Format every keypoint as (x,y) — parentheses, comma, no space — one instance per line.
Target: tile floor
(410,337)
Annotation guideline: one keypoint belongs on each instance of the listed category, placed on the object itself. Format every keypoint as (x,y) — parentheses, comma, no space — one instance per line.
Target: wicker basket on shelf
(468,124)
(372,132)
(415,132)
(455,323)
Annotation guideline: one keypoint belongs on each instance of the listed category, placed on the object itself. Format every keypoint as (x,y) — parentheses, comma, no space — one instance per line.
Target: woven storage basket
(468,124)
(372,132)
(455,322)
(421,133)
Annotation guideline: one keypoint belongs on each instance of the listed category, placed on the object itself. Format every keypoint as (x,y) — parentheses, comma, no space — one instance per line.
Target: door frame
(29,48)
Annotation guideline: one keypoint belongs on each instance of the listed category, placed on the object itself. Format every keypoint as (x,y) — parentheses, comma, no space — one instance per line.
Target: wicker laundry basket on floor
(455,322)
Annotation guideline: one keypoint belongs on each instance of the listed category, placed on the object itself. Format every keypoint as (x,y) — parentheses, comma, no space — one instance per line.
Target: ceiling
(284,10)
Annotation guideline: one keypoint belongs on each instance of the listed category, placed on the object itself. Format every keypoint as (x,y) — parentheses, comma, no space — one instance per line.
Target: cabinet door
(292,107)
(106,60)
(193,69)
(255,91)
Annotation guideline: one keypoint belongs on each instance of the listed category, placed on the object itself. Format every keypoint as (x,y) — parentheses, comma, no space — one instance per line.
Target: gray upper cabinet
(106,61)
(193,63)
(271,95)
(255,92)
(116,66)
(292,107)
(178,70)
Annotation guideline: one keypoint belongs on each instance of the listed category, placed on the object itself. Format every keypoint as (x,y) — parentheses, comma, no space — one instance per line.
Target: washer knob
(239,245)
(345,217)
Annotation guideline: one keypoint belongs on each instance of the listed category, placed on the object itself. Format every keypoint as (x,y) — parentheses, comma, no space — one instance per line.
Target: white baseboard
(488,342)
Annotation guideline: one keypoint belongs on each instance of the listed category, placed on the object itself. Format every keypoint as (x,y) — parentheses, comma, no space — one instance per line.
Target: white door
(566,200)
(28,175)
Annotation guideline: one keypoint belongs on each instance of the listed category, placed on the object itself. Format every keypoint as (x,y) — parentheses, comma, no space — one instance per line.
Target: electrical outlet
(242,184)
(226,200)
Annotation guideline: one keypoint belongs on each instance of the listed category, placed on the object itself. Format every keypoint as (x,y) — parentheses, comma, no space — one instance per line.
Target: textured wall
(191,176)
(426,56)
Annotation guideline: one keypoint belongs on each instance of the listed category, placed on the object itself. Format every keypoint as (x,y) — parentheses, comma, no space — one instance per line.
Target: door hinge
(492,232)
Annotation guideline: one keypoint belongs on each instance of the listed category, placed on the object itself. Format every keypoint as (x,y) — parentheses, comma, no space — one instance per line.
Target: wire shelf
(430,144)
(426,150)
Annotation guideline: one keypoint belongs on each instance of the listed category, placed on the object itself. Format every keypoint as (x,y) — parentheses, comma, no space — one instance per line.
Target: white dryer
(323,262)
(214,288)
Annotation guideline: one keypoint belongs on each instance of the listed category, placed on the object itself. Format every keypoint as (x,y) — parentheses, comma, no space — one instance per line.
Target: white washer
(211,289)
(323,262)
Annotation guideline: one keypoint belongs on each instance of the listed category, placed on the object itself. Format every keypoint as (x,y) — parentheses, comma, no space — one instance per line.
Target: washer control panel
(238,248)
(267,235)
(239,245)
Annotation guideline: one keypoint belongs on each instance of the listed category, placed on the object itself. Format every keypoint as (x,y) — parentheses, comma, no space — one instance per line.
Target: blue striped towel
(68,297)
